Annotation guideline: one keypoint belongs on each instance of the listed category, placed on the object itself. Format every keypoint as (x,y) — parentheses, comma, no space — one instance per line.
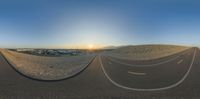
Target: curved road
(149,78)
(92,83)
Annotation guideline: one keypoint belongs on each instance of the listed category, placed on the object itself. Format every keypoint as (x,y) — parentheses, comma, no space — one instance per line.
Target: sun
(90,46)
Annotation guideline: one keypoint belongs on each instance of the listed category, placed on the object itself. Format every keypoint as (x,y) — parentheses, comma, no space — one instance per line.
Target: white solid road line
(166,61)
(136,73)
(154,89)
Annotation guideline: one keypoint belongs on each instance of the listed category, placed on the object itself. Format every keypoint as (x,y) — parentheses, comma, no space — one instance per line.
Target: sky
(98,23)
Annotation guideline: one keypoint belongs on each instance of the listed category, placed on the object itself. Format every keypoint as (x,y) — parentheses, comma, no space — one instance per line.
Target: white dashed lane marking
(136,73)
(180,61)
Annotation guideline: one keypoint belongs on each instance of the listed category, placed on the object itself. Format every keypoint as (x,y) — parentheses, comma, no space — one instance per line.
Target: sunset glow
(91,46)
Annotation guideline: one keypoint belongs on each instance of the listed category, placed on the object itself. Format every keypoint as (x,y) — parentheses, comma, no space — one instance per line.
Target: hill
(146,52)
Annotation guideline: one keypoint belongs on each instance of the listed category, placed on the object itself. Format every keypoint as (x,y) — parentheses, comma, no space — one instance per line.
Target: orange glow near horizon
(91,46)
(84,46)
(94,46)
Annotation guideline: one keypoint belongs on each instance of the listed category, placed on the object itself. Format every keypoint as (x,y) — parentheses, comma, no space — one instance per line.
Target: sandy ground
(146,52)
(47,68)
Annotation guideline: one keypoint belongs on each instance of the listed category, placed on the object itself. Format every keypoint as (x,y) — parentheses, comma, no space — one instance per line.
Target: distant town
(53,52)
(58,52)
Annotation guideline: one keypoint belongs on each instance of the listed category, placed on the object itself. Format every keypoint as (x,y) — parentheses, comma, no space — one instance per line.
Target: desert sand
(145,52)
(47,68)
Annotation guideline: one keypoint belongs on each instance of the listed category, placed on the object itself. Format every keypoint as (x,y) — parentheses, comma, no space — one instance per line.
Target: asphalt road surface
(173,77)
(149,76)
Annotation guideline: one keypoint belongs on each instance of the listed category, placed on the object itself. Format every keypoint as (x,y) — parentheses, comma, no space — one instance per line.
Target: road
(150,77)
(108,79)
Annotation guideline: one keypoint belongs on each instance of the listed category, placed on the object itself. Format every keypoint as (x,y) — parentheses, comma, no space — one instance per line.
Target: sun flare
(91,46)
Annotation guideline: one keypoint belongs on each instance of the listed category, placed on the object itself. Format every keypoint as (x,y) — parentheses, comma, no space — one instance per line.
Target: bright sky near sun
(97,23)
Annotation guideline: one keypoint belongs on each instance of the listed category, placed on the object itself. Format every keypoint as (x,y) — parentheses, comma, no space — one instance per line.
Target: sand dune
(47,68)
(146,52)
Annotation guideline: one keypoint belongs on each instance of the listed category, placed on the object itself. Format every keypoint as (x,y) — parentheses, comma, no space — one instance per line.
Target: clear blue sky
(75,23)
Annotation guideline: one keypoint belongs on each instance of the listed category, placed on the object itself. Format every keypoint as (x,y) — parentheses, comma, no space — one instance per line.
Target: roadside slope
(47,68)
(146,52)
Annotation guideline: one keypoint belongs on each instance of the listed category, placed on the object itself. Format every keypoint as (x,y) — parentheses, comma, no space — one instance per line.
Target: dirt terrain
(146,52)
(47,68)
